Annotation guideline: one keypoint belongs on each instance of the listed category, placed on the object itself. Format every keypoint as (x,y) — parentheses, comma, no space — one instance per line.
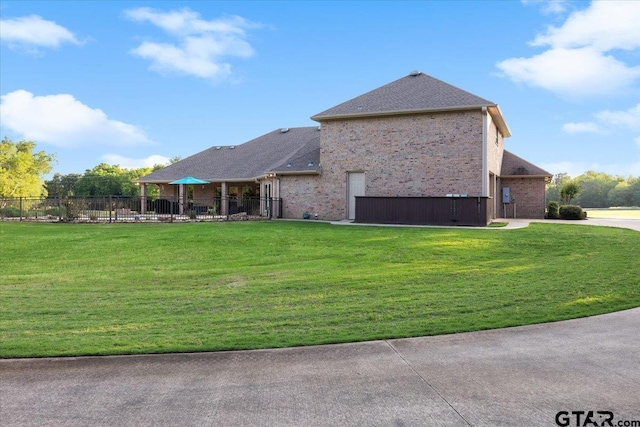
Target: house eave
(324,118)
(546,177)
(498,118)
(281,173)
(211,180)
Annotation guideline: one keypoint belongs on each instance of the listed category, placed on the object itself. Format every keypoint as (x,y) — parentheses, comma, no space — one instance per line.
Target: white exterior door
(355,187)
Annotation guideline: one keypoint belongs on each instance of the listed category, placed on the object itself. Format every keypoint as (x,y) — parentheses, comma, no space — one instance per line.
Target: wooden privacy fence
(473,211)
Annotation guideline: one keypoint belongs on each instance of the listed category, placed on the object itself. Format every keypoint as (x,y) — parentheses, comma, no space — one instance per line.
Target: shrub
(571,212)
(553,210)
(10,212)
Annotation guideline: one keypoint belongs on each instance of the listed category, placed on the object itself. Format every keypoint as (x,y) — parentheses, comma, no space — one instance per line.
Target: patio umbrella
(189,180)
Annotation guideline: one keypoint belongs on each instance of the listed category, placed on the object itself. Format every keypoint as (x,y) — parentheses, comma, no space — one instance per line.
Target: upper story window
(497,136)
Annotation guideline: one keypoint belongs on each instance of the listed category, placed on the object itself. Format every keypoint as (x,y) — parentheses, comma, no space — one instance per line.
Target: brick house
(415,138)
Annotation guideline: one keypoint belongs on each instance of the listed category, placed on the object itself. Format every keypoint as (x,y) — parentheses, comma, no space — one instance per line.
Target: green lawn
(633,213)
(79,289)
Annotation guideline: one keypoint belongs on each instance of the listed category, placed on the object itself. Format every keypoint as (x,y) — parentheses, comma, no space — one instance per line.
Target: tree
(595,187)
(112,180)
(556,184)
(620,195)
(634,189)
(569,191)
(22,169)
(62,185)
(104,180)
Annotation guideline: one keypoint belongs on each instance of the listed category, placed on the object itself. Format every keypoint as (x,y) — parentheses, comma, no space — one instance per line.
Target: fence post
(110,206)
(59,208)
(20,208)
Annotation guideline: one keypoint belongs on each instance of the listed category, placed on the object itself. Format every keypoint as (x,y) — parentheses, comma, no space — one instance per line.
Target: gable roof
(415,93)
(514,166)
(299,147)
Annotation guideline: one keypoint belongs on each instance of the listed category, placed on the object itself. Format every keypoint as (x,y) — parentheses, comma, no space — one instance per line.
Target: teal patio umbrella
(189,180)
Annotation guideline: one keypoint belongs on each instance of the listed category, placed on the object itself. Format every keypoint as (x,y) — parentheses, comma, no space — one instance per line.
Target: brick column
(224,199)
(143,198)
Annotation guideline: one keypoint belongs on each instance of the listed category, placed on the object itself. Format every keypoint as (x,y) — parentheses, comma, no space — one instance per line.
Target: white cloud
(582,58)
(185,21)
(33,31)
(131,163)
(608,121)
(588,127)
(605,25)
(628,119)
(549,6)
(573,72)
(63,121)
(199,46)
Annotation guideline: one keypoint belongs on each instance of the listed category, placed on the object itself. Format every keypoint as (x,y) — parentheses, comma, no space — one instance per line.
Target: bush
(10,212)
(553,210)
(571,212)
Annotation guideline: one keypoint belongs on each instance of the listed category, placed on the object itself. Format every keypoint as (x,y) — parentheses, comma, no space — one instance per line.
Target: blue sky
(137,82)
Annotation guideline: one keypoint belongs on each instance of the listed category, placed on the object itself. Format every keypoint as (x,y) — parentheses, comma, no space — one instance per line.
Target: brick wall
(529,196)
(495,148)
(299,195)
(412,155)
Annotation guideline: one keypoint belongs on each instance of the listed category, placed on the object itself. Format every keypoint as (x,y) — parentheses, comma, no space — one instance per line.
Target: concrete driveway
(630,223)
(510,377)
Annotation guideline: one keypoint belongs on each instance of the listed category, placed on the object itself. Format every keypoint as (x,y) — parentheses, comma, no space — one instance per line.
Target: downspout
(485,160)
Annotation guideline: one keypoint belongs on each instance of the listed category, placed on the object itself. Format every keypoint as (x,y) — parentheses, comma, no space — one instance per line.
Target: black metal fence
(473,211)
(124,209)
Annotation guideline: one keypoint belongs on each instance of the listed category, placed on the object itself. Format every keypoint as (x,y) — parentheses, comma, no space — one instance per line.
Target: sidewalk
(521,376)
(632,224)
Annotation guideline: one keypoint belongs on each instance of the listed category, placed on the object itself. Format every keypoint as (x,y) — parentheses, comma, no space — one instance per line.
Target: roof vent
(310,164)
(319,127)
(284,130)
(231,147)
(217,148)
(289,164)
(415,73)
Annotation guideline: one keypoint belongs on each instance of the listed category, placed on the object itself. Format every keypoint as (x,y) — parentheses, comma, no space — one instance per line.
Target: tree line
(22,172)
(102,180)
(595,190)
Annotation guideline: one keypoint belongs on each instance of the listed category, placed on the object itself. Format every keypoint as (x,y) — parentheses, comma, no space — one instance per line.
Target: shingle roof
(513,165)
(269,153)
(416,92)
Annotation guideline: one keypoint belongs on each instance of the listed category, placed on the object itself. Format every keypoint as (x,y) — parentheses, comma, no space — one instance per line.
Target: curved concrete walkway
(632,224)
(509,377)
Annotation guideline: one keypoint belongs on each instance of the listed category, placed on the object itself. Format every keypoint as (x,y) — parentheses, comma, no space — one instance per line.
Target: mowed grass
(628,213)
(85,289)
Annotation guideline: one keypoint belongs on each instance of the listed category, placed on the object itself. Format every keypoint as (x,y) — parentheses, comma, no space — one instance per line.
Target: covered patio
(203,198)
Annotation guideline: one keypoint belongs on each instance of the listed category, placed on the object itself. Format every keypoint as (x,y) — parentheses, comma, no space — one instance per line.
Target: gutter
(321,118)
(313,172)
(547,178)
(485,155)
